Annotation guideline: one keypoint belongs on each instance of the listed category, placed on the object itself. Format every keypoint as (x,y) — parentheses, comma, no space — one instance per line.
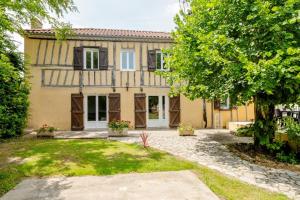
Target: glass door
(157,107)
(96,111)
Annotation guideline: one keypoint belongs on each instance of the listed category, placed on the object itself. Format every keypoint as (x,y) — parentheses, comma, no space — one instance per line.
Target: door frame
(96,124)
(159,123)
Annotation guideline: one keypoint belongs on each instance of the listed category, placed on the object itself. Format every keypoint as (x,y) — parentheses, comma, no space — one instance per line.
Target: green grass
(42,158)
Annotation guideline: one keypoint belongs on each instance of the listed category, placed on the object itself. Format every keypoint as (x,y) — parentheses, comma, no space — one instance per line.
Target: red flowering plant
(118,125)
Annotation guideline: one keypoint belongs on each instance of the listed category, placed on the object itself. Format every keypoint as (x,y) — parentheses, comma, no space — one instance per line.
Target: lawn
(42,158)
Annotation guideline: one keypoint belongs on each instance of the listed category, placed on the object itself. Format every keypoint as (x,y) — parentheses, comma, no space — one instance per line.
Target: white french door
(157,111)
(96,111)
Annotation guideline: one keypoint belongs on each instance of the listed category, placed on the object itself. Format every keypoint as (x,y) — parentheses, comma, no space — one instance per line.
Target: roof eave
(103,38)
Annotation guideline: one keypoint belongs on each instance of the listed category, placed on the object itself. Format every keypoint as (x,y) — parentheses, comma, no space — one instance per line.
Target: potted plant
(186,130)
(46,131)
(118,128)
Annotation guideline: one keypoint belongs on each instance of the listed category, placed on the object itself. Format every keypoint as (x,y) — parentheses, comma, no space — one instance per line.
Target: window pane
(91,108)
(158,60)
(153,107)
(88,60)
(102,108)
(124,60)
(163,107)
(131,61)
(225,104)
(95,59)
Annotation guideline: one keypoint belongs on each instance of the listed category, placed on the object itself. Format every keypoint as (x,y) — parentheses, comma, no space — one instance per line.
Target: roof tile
(96,32)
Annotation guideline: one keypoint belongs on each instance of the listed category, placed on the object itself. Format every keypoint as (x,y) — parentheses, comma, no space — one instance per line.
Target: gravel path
(207,149)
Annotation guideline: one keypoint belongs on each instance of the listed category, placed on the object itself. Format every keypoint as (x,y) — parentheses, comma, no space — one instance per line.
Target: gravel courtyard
(207,149)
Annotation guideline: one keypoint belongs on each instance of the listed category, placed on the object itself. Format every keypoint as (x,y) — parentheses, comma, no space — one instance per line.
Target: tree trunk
(204,113)
(265,124)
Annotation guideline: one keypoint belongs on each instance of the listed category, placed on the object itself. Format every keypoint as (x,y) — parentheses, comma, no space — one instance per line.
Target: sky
(151,15)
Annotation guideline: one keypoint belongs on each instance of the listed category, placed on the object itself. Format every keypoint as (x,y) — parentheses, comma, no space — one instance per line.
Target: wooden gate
(140,110)
(77,112)
(114,109)
(174,110)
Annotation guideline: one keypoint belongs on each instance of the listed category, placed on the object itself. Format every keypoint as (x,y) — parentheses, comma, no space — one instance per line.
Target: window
(225,104)
(127,60)
(153,107)
(91,58)
(159,61)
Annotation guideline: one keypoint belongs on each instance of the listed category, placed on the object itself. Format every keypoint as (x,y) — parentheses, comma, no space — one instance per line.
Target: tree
(14,88)
(241,49)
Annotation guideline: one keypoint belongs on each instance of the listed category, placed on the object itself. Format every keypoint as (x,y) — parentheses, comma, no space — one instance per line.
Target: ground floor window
(157,111)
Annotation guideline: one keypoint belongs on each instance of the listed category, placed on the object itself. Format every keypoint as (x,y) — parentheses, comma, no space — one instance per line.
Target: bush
(246,131)
(46,128)
(14,92)
(118,125)
(292,129)
(185,130)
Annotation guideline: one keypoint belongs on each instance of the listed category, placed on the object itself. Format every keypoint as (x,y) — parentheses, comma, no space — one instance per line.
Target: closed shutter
(217,104)
(78,58)
(151,60)
(174,110)
(114,109)
(140,110)
(103,58)
(77,112)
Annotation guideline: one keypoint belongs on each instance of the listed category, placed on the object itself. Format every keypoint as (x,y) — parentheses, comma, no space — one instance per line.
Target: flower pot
(118,133)
(46,134)
(186,132)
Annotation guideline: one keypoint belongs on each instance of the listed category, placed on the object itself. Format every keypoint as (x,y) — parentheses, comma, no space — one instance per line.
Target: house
(99,75)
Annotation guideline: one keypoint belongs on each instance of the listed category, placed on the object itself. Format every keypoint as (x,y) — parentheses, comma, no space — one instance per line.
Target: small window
(159,61)
(225,104)
(127,60)
(91,59)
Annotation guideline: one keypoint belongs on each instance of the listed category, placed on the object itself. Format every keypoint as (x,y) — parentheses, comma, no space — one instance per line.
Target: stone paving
(207,149)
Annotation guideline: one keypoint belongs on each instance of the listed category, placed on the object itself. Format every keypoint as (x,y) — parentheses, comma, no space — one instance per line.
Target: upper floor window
(91,58)
(159,60)
(225,104)
(127,60)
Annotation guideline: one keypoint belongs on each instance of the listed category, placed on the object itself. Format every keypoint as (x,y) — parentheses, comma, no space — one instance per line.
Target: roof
(103,34)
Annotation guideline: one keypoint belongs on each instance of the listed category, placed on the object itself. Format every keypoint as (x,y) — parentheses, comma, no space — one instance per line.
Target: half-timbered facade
(100,75)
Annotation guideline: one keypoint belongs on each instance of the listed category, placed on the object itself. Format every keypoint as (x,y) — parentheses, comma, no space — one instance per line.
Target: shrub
(144,137)
(185,130)
(45,128)
(14,91)
(292,129)
(118,125)
(246,131)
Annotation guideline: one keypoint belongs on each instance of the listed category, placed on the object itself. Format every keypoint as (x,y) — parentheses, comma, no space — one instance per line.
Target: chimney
(35,23)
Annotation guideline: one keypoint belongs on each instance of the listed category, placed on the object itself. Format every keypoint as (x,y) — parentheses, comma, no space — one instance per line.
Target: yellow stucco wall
(52,105)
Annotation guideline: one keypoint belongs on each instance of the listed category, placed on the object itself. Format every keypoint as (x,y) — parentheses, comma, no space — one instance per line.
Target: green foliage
(46,128)
(288,158)
(14,88)
(118,125)
(14,92)
(245,50)
(185,129)
(247,131)
(292,129)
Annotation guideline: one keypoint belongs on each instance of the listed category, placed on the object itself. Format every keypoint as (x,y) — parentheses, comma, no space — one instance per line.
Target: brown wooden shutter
(77,112)
(78,58)
(114,106)
(103,58)
(140,110)
(217,104)
(174,110)
(151,60)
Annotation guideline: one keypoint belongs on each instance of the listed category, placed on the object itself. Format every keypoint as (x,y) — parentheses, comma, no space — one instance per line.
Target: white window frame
(127,51)
(227,106)
(92,50)
(162,61)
